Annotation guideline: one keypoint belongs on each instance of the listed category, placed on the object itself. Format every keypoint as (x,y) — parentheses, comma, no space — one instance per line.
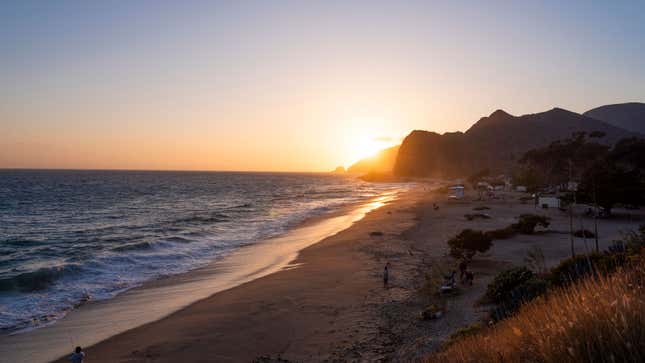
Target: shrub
(499,290)
(527,223)
(519,295)
(584,233)
(574,268)
(470,217)
(468,242)
(593,320)
(483,207)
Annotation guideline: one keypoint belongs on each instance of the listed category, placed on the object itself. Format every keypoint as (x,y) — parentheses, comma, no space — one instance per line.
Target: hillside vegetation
(599,319)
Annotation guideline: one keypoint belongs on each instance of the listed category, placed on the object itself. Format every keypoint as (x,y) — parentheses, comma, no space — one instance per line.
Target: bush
(499,290)
(467,243)
(584,233)
(574,268)
(519,295)
(483,207)
(470,217)
(527,223)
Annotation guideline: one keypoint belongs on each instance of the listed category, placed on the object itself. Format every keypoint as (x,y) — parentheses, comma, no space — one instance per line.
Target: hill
(382,162)
(494,142)
(629,116)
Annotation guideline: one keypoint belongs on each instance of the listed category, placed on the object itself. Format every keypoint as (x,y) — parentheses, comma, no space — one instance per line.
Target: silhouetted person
(77,356)
(386,274)
(469,277)
(463,266)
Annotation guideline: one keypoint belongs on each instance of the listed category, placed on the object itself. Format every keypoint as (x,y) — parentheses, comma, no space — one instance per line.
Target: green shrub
(574,268)
(470,217)
(467,243)
(520,294)
(483,207)
(527,223)
(499,290)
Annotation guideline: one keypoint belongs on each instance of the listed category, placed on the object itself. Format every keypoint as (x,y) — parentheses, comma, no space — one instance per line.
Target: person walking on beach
(386,275)
(77,356)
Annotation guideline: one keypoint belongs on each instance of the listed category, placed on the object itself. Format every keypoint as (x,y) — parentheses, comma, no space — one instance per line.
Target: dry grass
(596,320)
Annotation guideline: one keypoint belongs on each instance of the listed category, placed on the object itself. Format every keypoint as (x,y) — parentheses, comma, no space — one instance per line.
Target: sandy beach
(329,304)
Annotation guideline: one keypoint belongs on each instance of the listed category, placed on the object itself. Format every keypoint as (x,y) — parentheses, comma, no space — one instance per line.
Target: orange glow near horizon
(299,86)
(366,146)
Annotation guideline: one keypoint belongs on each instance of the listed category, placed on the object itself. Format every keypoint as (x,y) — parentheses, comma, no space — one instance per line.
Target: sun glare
(365,147)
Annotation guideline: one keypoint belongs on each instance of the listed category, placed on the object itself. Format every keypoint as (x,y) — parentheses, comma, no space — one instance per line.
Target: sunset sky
(292,85)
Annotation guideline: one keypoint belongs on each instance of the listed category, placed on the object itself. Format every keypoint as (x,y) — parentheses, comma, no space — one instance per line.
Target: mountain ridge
(629,116)
(494,142)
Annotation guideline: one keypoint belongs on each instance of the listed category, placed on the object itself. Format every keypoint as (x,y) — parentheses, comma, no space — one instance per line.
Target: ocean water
(67,237)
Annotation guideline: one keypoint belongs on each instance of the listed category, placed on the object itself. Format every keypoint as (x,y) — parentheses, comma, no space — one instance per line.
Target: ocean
(68,237)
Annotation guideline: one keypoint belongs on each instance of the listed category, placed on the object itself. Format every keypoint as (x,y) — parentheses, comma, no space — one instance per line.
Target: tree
(608,184)
(562,160)
(468,242)
(527,223)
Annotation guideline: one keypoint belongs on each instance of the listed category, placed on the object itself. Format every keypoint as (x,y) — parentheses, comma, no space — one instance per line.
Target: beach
(328,302)
(332,306)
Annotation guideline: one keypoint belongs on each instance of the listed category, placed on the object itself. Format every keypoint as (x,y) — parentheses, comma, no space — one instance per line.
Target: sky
(292,85)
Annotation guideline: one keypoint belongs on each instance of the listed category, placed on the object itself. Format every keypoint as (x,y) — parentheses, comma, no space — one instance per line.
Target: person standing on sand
(386,275)
(463,266)
(78,356)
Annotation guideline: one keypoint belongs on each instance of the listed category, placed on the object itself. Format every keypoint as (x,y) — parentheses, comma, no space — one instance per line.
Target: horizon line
(166,170)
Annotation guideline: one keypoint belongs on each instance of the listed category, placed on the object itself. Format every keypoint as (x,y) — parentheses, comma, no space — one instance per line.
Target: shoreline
(329,303)
(158,298)
(306,313)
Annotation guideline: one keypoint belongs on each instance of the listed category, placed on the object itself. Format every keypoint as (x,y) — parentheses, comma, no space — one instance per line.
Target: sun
(367,146)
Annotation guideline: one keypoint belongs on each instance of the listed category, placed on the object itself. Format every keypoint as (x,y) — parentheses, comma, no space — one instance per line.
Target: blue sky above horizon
(292,85)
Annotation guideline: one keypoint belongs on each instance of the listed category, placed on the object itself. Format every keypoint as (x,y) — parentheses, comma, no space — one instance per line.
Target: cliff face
(494,142)
(629,116)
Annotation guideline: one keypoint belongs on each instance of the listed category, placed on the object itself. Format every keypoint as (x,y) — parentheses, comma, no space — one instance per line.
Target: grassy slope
(595,320)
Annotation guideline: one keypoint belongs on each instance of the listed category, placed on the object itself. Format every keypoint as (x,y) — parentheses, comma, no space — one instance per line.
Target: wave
(37,280)
(133,247)
(213,218)
(20,242)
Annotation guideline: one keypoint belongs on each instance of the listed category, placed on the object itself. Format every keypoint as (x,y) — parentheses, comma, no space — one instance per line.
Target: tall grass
(599,319)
